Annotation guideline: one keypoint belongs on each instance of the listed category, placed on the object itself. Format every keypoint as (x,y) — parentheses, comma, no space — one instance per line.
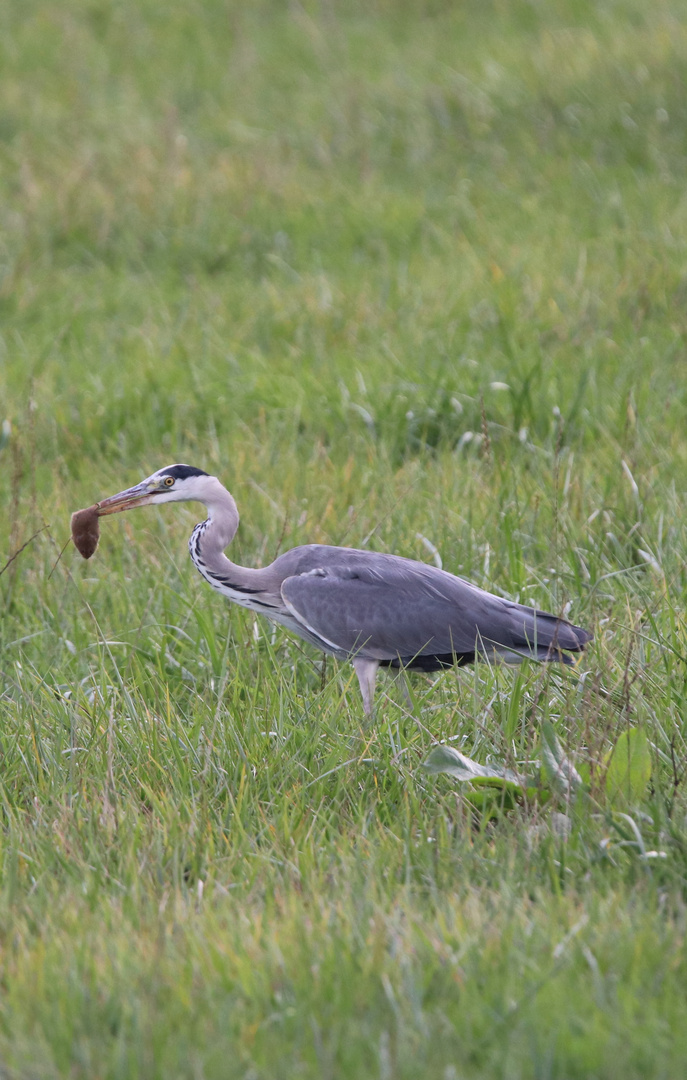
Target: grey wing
(404,611)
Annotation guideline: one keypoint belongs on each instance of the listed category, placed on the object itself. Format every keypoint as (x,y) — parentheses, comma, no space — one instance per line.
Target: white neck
(212,536)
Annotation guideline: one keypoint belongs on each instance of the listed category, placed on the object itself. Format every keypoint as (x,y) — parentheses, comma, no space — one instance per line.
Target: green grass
(321,250)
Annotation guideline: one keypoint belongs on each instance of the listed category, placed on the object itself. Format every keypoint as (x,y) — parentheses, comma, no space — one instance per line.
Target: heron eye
(169,481)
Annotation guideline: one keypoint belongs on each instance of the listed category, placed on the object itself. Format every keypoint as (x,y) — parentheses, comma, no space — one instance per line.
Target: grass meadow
(405,274)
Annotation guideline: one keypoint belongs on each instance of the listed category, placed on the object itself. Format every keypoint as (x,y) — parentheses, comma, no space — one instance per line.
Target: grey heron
(373,609)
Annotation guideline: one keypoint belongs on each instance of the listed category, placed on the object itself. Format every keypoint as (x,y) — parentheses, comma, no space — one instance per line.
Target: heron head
(174,483)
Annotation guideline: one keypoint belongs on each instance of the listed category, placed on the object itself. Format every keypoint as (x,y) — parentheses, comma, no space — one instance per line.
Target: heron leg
(366,670)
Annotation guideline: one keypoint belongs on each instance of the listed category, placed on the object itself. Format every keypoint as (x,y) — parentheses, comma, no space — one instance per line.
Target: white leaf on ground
(447,759)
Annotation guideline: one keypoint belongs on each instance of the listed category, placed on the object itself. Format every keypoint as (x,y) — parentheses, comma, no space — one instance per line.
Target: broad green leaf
(494,800)
(629,767)
(447,759)
(559,769)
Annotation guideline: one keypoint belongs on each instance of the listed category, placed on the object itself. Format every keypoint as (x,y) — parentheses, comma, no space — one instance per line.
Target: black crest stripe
(182,472)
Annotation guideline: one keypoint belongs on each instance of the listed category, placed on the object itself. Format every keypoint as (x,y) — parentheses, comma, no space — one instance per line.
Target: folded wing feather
(387,608)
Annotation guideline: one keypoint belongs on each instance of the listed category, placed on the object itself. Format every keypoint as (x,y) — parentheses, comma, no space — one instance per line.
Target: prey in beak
(166,485)
(85,524)
(140,495)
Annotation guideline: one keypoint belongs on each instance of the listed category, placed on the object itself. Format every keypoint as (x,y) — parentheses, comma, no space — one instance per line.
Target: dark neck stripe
(230,584)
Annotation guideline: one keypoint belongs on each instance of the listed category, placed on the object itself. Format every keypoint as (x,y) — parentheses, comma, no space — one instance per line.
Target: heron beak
(140,495)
